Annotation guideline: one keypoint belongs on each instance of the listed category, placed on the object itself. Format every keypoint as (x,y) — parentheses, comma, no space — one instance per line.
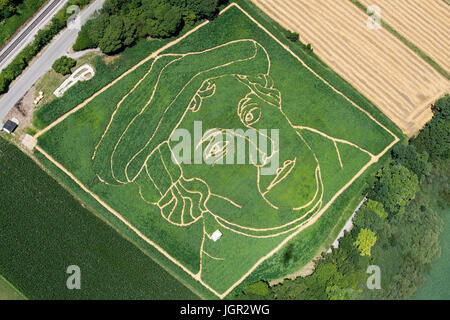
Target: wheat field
(381,67)
(424,23)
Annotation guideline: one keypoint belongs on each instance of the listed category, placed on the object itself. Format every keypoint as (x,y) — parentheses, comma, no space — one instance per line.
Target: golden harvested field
(424,23)
(381,67)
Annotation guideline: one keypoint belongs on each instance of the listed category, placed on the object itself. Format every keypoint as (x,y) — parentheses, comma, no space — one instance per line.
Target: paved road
(58,47)
(26,35)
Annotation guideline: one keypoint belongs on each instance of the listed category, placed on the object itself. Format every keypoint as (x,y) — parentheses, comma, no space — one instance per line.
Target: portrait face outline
(263,102)
(124,188)
(258,98)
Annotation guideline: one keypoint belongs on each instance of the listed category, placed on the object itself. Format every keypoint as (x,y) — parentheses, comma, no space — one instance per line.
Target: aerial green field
(43,230)
(227,74)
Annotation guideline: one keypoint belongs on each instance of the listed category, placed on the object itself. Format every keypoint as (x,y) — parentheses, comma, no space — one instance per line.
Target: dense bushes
(434,137)
(121,22)
(43,37)
(400,220)
(83,41)
(395,186)
(292,36)
(64,65)
(8,8)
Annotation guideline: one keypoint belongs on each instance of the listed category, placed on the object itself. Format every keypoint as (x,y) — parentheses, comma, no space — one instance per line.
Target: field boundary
(197,277)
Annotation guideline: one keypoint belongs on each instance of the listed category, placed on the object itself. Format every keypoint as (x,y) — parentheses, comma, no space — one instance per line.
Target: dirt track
(424,23)
(376,63)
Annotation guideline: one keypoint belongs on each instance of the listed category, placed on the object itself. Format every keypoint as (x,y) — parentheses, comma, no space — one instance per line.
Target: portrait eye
(216,150)
(251,116)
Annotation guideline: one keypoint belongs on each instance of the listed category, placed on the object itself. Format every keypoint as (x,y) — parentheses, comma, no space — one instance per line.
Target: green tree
(130,32)
(365,241)
(112,40)
(113,7)
(407,156)
(83,41)
(371,215)
(395,187)
(434,137)
(335,292)
(164,21)
(203,8)
(96,28)
(189,17)
(64,65)
(377,208)
(8,8)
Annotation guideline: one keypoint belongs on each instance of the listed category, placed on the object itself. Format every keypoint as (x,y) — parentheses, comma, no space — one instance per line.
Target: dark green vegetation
(43,37)
(44,230)
(434,139)
(407,228)
(292,36)
(121,22)
(408,43)
(13,14)
(306,100)
(64,65)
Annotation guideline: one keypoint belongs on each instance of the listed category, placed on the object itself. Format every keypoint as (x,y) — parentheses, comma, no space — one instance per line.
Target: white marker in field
(216,235)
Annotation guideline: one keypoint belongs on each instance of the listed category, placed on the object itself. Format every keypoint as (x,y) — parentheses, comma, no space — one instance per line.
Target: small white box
(216,235)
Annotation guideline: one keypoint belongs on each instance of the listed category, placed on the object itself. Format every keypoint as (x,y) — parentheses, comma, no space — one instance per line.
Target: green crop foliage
(44,230)
(12,16)
(306,100)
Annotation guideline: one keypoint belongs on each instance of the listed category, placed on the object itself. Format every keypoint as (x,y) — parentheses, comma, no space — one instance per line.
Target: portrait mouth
(281,173)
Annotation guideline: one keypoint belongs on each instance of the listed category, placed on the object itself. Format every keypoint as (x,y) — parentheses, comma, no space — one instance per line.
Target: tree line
(121,22)
(397,229)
